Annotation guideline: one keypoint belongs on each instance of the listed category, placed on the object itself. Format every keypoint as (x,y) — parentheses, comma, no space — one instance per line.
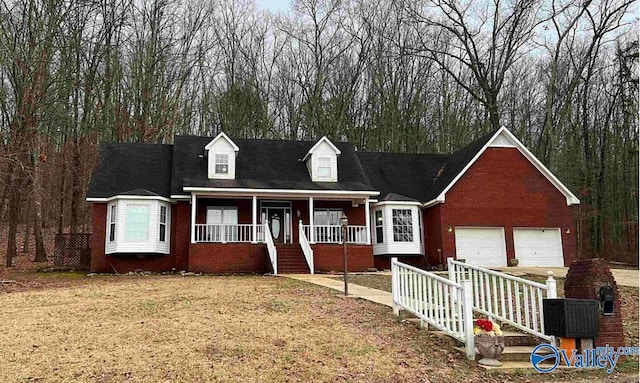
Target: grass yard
(67,327)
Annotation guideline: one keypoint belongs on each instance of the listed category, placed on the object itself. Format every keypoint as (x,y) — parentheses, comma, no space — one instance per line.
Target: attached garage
(538,247)
(481,246)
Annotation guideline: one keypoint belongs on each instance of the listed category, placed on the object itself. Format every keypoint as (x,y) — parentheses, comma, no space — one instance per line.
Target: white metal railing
(271,248)
(224,233)
(506,298)
(333,234)
(306,247)
(444,304)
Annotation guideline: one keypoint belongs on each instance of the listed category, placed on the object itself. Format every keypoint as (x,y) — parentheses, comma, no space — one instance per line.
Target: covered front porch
(301,233)
(246,219)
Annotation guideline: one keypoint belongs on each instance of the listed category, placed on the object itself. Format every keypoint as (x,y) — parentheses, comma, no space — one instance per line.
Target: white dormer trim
(504,138)
(220,137)
(320,141)
(322,161)
(221,147)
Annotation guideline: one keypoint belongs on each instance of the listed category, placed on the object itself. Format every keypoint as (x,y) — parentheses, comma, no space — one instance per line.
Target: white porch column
(367,218)
(254,219)
(312,237)
(193,218)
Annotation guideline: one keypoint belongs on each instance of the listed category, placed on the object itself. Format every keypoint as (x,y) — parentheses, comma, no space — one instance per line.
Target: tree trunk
(41,253)
(75,186)
(14,210)
(27,231)
(62,194)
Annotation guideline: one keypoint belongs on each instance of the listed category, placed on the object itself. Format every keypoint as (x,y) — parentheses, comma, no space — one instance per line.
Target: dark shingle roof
(263,164)
(155,169)
(420,177)
(454,165)
(409,175)
(132,169)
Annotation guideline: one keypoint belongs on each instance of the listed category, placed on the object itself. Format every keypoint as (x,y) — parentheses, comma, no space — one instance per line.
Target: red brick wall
(583,281)
(432,234)
(101,263)
(228,258)
(502,189)
(98,236)
(181,233)
(330,257)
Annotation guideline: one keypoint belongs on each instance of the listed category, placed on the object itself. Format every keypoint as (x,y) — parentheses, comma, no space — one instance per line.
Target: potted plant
(489,342)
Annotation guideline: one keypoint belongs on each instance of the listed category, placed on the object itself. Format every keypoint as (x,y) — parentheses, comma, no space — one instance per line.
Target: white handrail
(444,304)
(506,298)
(356,234)
(223,233)
(306,247)
(271,248)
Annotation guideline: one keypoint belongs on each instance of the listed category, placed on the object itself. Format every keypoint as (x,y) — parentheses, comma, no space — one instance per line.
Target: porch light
(344,221)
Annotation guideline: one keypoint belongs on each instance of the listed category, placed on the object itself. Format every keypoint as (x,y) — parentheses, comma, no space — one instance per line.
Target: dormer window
(324,167)
(221,154)
(222,164)
(322,161)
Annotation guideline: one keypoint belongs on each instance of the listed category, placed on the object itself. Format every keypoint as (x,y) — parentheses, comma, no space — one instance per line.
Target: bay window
(402,225)
(137,225)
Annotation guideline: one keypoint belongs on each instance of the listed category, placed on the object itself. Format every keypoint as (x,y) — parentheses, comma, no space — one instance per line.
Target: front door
(278,215)
(277,224)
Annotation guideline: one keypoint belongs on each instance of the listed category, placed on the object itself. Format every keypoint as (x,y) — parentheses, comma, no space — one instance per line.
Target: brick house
(225,205)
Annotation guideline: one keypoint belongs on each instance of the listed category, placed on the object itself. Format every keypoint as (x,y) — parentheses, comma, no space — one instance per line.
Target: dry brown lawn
(68,328)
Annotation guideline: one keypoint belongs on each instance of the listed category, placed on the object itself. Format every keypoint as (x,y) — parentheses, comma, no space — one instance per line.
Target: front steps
(291,259)
(517,349)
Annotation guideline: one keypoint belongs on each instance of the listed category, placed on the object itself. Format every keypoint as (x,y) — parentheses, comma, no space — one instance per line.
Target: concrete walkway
(623,277)
(373,295)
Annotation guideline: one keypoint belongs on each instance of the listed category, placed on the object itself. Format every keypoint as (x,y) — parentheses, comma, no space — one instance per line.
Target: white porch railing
(306,247)
(224,233)
(333,234)
(506,298)
(444,304)
(271,248)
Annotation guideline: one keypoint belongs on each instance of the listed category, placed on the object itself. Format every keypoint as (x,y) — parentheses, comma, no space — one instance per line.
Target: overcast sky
(275,6)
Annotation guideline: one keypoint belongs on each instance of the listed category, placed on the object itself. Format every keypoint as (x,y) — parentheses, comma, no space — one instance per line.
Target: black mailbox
(607,297)
(571,318)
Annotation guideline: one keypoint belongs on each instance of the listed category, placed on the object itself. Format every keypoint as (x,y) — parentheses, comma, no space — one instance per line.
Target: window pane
(222,164)
(324,167)
(379,226)
(402,225)
(112,224)
(163,224)
(137,225)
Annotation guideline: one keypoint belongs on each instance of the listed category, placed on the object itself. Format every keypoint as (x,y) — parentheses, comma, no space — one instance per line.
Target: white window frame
(378,225)
(128,221)
(324,164)
(111,224)
(162,223)
(400,235)
(222,160)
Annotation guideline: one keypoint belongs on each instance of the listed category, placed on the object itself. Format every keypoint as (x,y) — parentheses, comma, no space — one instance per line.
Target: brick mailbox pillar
(583,281)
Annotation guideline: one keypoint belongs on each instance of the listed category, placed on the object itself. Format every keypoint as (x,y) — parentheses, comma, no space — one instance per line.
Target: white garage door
(481,246)
(538,247)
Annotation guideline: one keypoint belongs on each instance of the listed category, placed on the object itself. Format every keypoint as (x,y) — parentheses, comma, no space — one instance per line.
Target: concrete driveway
(623,277)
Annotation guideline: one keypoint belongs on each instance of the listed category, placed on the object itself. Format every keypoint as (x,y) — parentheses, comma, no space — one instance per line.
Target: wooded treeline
(407,76)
